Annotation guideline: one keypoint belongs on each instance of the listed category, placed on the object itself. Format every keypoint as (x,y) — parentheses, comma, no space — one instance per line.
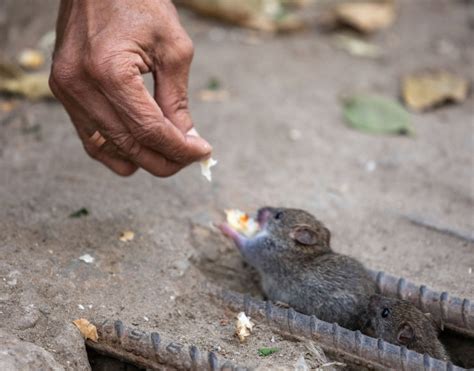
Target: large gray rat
(297,266)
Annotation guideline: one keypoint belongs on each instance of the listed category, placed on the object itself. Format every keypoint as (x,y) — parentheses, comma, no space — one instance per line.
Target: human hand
(102,50)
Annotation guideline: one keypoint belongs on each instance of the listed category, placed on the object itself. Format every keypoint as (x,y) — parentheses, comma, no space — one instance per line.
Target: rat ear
(326,235)
(405,334)
(305,235)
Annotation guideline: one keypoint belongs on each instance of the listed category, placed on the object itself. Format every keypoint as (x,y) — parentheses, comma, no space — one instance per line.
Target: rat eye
(278,215)
(385,312)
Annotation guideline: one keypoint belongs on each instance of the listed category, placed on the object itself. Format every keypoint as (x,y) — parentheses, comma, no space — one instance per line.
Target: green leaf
(265,352)
(213,84)
(377,115)
(79,213)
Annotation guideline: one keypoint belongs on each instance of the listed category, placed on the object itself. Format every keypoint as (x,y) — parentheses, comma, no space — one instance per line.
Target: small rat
(297,266)
(400,322)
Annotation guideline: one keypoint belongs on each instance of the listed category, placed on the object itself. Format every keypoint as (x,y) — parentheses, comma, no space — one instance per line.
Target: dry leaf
(31,59)
(7,106)
(264,15)
(208,95)
(87,329)
(126,236)
(356,46)
(206,168)
(9,70)
(243,326)
(366,17)
(33,86)
(424,90)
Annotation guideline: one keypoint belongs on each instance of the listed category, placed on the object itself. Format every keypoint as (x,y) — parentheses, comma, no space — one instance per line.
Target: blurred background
(360,112)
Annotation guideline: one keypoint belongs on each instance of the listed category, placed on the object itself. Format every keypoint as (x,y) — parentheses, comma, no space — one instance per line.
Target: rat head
(294,231)
(285,234)
(399,322)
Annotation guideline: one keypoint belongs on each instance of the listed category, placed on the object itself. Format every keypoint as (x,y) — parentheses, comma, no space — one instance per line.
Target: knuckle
(127,145)
(106,67)
(182,51)
(63,75)
(178,157)
(96,65)
(150,135)
(186,48)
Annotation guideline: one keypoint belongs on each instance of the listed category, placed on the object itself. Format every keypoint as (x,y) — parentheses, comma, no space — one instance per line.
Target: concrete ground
(277,85)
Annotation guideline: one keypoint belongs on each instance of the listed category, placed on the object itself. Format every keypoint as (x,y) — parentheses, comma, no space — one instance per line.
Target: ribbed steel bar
(153,351)
(352,346)
(451,312)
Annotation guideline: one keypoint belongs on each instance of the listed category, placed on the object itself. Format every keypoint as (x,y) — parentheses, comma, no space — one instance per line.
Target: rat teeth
(242,222)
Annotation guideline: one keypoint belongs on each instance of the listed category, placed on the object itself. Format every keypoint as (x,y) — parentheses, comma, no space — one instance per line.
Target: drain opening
(459,347)
(100,362)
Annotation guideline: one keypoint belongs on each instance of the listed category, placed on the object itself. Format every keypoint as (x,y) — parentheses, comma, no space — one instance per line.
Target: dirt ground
(276,85)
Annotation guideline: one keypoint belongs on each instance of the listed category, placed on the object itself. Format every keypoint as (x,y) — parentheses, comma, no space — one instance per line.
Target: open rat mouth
(242,222)
(240,226)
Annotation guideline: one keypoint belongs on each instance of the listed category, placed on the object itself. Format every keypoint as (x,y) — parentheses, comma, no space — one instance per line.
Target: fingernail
(207,147)
(193,132)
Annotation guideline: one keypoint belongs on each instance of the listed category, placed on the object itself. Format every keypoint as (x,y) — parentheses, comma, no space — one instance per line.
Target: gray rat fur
(297,266)
(400,322)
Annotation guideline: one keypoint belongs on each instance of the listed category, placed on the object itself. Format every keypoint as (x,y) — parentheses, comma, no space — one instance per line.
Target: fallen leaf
(127,236)
(213,92)
(356,46)
(7,106)
(33,86)
(367,16)
(378,115)
(31,59)
(206,168)
(265,352)
(9,70)
(87,329)
(243,326)
(428,89)
(86,258)
(209,95)
(264,15)
(214,84)
(79,213)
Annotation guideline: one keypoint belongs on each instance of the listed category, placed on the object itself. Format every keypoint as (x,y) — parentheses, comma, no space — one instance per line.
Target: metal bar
(153,351)
(451,312)
(352,346)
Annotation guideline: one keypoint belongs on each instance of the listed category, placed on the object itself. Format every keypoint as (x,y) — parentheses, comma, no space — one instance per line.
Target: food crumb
(206,168)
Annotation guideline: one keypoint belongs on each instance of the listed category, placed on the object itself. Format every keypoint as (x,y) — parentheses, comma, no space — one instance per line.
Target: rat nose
(263,215)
